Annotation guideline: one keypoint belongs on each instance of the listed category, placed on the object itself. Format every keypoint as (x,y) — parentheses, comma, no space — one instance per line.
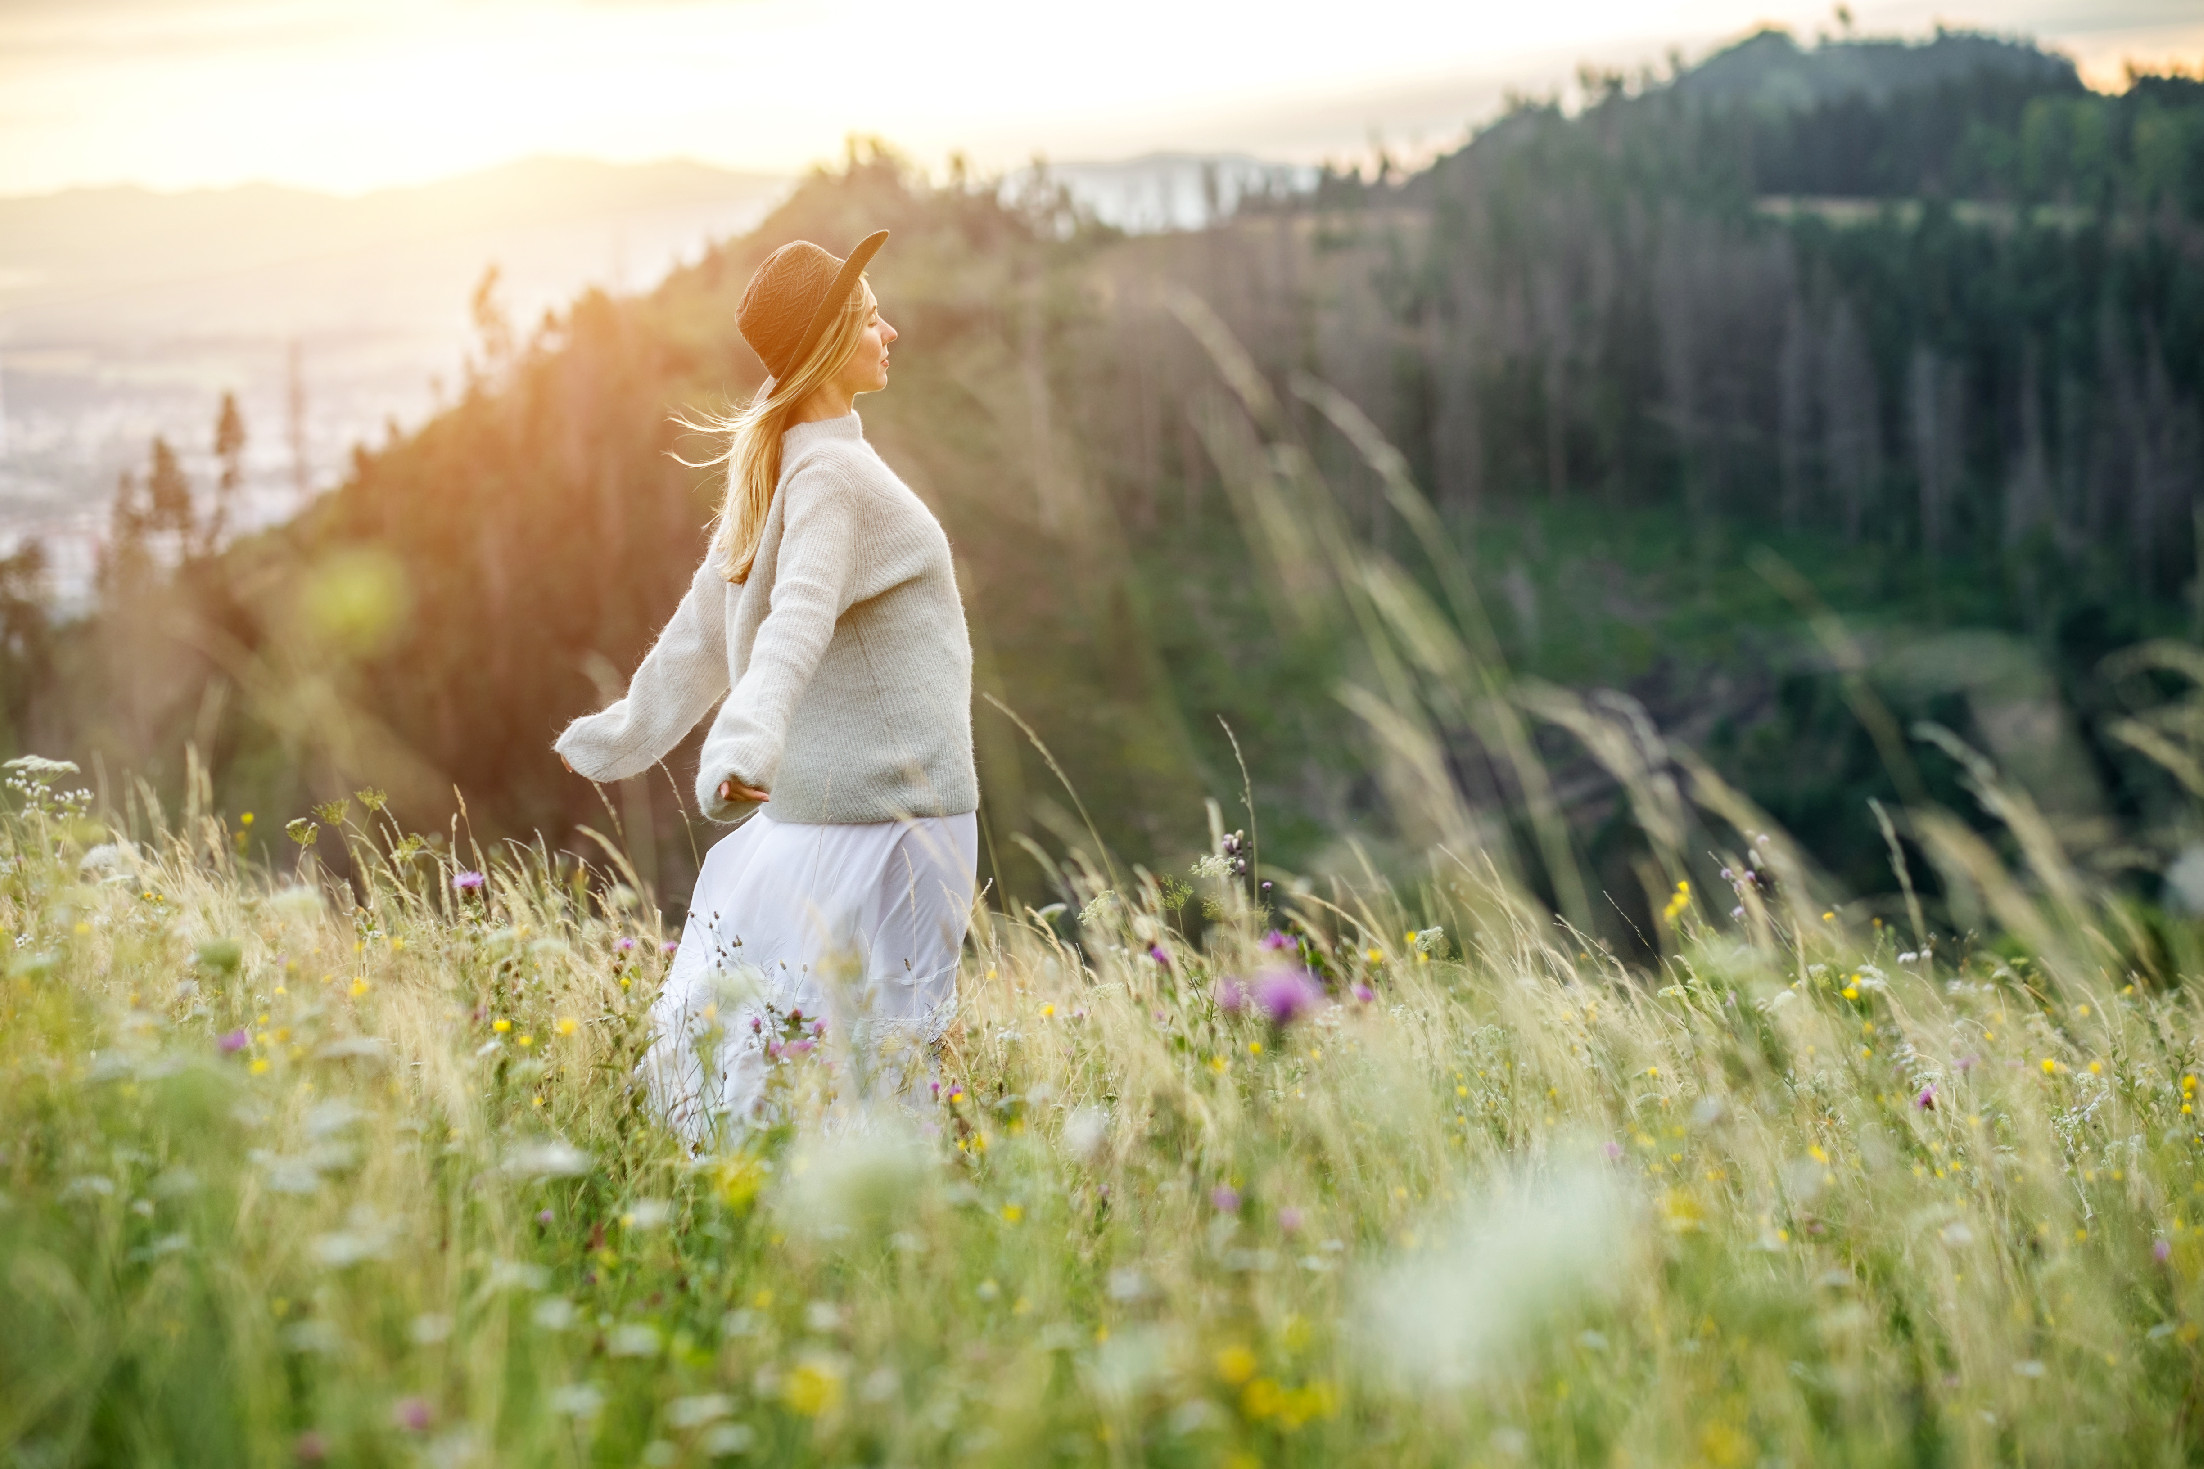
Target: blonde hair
(753,452)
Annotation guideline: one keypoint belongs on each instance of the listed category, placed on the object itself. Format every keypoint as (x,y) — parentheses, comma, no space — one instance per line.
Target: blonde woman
(825,624)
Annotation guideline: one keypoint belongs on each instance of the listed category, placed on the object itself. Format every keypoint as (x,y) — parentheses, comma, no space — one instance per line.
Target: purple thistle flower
(624,944)
(1288,994)
(669,946)
(1925,1100)
(2161,1250)
(465,882)
(543,1216)
(1276,940)
(413,1414)
(1226,1198)
(1160,954)
(1612,1149)
(1289,1220)
(1230,994)
(797,1048)
(232,1041)
(1965,1064)
(1363,992)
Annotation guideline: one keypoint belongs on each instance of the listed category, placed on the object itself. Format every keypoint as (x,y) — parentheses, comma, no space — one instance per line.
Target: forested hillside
(1925,322)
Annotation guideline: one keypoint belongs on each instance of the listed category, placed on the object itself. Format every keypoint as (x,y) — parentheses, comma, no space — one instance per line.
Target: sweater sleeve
(675,686)
(814,575)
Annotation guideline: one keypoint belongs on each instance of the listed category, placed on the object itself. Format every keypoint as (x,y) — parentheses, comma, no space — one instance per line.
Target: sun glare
(347,97)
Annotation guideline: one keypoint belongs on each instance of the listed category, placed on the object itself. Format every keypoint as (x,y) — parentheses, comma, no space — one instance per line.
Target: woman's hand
(731,791)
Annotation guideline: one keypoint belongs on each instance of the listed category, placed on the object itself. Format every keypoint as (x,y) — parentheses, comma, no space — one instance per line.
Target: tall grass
(1221,1168)
(292,1175)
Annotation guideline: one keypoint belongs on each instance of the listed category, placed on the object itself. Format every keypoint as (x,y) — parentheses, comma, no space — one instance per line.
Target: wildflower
(2161,1250)
(1738,911)
(1230,994)
(1236,1365)
(1289,1220)
(1925,1100)
(1613,1150)
(668,946)
(232,1041)
(1678,902)
(568,1025)
(1276,940)
(2049,1066)
(1160,954)
(467,881)
(1226,1198)
(1288,994)
(1966,1063)
(1363,992)
(543,1216)
(624,944)
(413,1414)
(501,1025)
(813,1388)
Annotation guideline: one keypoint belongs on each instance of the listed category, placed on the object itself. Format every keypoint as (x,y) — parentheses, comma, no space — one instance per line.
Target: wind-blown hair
(753,452)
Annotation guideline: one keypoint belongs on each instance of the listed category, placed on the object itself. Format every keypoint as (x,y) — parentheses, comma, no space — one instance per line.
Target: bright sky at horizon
(347,96)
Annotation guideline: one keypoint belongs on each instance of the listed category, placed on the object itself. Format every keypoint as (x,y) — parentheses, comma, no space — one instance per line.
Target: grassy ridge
(292,1179)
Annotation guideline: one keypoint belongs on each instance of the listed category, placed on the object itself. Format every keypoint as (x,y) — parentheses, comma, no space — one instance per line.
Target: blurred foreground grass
(286,1178)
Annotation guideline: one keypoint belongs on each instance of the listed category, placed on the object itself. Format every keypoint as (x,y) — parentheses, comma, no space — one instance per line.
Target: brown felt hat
(795,296)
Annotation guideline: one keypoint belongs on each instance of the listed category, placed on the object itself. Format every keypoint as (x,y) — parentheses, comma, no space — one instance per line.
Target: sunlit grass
(287,1179)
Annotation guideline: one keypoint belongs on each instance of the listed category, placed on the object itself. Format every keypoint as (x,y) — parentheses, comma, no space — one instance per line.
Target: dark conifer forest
(1805,398)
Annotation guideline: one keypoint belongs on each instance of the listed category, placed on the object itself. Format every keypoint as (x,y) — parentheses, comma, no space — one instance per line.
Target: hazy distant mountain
(62,246)
(1167,191)
(126,313)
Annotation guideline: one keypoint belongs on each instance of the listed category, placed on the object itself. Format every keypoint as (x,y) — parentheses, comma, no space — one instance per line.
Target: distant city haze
(349,96)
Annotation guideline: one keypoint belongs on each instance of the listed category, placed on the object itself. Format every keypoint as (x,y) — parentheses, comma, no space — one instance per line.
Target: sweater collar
(848,426)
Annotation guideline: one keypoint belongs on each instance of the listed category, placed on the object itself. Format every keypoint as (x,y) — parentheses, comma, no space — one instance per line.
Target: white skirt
(854,928)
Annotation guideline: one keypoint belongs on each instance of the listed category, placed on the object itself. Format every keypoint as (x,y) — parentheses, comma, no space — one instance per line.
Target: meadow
(1225,1169)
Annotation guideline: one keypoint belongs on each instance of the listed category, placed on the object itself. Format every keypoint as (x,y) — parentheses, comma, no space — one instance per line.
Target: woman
(826,613)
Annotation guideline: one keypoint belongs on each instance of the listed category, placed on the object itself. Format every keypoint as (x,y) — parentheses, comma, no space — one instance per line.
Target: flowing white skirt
(856,928)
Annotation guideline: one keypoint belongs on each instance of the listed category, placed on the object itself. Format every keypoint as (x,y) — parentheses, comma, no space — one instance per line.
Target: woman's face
(867,368)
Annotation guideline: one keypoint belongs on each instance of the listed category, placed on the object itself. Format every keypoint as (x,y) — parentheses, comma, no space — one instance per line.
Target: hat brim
(844,281)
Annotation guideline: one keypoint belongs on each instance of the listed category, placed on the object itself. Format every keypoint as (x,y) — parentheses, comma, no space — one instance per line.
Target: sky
(348,96)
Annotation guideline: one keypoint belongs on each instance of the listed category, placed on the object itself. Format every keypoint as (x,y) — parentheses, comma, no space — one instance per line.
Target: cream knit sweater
(845,649)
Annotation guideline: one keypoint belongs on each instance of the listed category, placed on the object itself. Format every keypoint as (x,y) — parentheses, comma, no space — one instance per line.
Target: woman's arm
(813,575)
(681,677)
